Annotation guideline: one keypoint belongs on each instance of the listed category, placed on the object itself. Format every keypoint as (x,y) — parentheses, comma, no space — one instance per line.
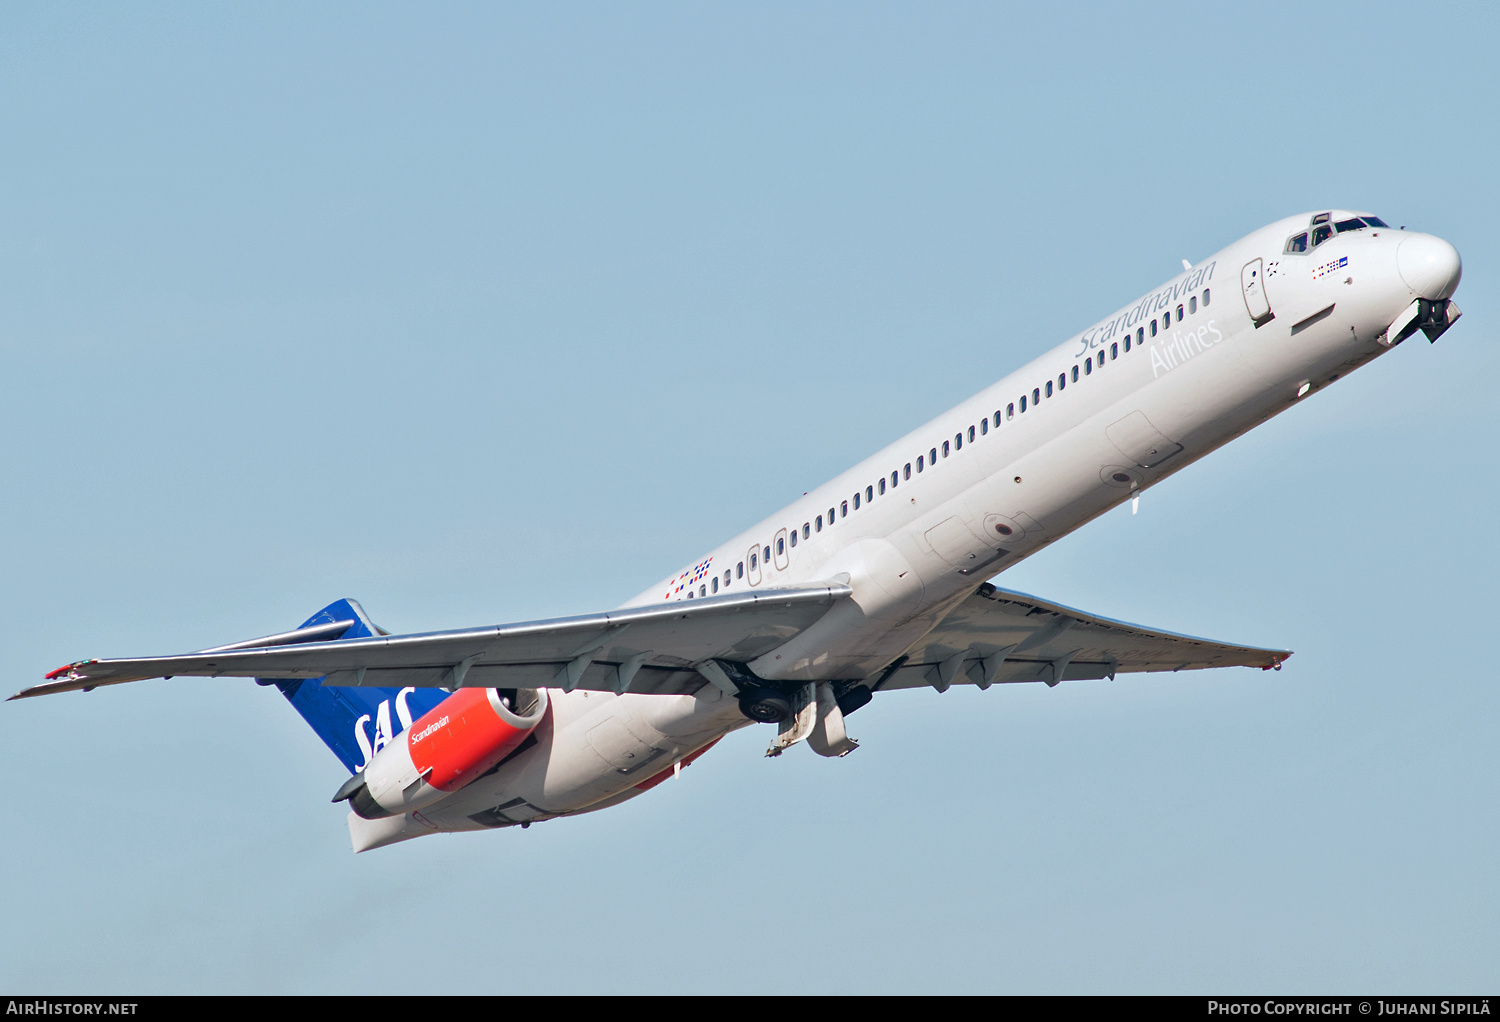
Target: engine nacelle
(444,749)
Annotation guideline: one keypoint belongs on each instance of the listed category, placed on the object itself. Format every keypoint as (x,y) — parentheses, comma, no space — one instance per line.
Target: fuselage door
(954,542)
(1140,441)
(1253,284)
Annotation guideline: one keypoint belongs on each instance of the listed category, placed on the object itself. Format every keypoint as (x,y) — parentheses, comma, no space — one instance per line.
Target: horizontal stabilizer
(641,649)
(1000,636)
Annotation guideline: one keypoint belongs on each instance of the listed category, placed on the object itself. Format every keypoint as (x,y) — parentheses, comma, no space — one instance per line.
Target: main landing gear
(765,705)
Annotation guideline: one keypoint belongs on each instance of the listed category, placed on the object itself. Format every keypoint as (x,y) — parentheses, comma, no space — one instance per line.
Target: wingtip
(64,679)
(33,692)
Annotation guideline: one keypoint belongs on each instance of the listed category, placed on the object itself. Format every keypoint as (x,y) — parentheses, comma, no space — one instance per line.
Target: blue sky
(490,313)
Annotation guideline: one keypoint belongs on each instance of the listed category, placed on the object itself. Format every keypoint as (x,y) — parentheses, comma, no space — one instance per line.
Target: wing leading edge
(998,635)
(645,649)
(994,636)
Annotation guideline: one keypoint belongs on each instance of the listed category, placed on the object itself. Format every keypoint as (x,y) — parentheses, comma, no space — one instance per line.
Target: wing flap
(656,644)
(999,636)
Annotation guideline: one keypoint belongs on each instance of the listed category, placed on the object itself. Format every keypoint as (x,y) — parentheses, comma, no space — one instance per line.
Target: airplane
(876,581)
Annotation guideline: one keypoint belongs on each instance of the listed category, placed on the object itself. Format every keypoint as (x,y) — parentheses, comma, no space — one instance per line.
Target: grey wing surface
(1001,636)
(644,649)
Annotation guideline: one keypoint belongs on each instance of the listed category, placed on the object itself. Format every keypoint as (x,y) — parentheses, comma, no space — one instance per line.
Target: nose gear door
(1253,284)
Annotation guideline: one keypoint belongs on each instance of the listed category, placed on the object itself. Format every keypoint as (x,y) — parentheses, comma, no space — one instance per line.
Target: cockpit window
(1321,218)
(1321,233)
(1354,223)
(1298,244)
(1375,221)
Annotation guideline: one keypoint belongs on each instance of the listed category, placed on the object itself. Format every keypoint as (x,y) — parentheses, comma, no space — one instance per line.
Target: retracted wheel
(765,705)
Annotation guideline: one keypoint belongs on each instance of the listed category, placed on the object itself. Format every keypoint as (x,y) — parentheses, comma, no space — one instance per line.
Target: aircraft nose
(1429,265)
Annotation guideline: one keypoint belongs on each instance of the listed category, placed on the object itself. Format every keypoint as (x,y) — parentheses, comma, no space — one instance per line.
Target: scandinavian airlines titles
(1146,308)
(1169,354)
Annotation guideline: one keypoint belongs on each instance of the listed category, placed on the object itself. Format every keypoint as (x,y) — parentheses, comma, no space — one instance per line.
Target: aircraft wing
(642,649)
(1001,636)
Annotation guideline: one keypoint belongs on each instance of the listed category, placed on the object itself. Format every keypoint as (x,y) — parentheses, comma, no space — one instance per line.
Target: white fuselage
(916,534)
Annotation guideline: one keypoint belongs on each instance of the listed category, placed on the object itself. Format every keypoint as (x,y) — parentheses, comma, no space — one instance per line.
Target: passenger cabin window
(919,463)
(907,470)
(1023,402)
(958,441)
(806,532)
(1205,298)
(945,448)
(869,494)
(856,502)
(754,560)
(932,456)
(1114,350)
(766,555)
(739,569)
(997,418)
(1049,388)
(1153,328)
(1075,374)
(844,508)
(1088,367)
(726,576)
(818,523)
(971,434)
(1321,234)
(1193,304)
(1179,314)
(716,583)
(984,423)
(1010,410)
(1297,244)
(1062,380)
(794,539)
(1036,397)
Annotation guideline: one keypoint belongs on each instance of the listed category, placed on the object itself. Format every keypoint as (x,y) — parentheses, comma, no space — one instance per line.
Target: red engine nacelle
(444,749)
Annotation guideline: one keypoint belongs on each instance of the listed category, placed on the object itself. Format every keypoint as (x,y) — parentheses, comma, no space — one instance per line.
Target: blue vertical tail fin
(355,723)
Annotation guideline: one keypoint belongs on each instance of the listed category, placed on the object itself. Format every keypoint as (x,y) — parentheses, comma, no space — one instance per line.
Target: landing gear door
(1253,284)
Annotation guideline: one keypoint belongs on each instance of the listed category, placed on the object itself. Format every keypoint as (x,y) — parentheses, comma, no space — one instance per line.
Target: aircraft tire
(765,706)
